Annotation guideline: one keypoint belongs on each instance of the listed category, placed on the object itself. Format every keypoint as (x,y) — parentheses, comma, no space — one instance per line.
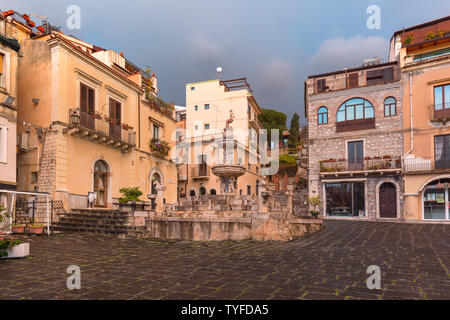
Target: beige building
(97,124)
(208,107)
(9,57)
(423,52)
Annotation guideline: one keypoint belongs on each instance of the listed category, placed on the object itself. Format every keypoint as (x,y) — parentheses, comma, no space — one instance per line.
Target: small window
(206,106)
(192,193)
(213,192)
(2,77)
(249,190)
(34,177)
(207,126)
(196,108)
(3,144)
(196,127)
(322,115)
(192,88)
(321,85)
(390,107)
(155,132)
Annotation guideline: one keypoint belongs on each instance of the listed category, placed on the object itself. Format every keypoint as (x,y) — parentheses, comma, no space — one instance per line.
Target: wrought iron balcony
(201,172)
(425,164)
(440,112)
(366,165)
(92,127)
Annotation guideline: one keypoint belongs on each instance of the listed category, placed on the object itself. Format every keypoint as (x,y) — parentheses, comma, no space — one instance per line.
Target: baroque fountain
(228,172)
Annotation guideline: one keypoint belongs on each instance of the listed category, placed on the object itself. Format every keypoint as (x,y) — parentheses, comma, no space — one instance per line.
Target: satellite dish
(219,69)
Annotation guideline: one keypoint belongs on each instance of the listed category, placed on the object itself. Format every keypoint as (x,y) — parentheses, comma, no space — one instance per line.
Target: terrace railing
(367,164)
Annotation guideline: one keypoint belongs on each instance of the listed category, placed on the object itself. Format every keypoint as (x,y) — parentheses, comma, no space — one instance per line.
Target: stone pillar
(290,194)
(160,198)
(262,197)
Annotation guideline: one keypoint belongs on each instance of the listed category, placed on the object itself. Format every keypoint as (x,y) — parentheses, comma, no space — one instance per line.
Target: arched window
(202,191)
(322,115)
(213,192)
(390,107)
(192,193)
(355,109)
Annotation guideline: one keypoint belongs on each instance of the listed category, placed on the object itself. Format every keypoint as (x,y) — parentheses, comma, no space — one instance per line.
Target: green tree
(294,132)
(273,120)
(130,194)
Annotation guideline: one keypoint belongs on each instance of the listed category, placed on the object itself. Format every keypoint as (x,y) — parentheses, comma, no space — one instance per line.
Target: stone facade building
(355,141)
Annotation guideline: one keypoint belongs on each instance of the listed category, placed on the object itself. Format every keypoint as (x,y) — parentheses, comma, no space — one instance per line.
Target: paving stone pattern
(332,264)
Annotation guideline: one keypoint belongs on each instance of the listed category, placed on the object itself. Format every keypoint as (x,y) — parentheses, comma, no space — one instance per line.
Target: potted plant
(408,40)
(441,33)
(19,228)
(430,36)
(314,202)
(36,229)
(126,127)
(97,115)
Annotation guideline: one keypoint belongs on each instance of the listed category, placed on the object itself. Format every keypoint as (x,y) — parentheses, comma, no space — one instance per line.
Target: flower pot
(18,251)
(36,230)
(18,229)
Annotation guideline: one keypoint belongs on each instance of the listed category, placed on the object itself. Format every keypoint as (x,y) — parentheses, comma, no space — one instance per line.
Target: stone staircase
(112,222)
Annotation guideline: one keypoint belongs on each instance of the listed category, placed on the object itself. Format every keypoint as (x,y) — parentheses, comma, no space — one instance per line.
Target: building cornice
(56,41)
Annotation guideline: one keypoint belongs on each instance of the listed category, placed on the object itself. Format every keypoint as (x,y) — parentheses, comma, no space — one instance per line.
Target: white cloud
(275,76)
(338,52)
(201,46)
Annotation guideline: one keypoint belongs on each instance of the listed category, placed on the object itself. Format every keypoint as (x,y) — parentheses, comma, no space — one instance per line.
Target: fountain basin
(228,171)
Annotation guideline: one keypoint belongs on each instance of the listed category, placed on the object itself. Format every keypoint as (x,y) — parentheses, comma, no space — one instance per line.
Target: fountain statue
(228,172)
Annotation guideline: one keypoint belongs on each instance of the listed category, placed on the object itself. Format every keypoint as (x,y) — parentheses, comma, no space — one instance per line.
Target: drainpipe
(411,127)
(411,119)
(139,120)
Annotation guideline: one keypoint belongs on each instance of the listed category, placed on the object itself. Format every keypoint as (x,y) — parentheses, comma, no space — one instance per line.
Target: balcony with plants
(101,129)
(159,148)
(425,36)
(377,164)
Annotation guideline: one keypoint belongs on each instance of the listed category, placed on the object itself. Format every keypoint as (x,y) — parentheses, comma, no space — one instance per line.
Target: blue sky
(275,44)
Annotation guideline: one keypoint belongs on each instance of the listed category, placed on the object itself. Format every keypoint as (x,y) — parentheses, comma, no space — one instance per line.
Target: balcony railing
(355,125)
(440,112)
(383,75)
(425,164)
(99,130)
(200,172)
(367,164)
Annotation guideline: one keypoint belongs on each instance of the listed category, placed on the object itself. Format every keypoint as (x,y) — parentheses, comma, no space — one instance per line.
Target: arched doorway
(101,183)
(155,181)
(388,200)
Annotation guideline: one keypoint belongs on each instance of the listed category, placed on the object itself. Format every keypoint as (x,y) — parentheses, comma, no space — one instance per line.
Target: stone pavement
(414,261)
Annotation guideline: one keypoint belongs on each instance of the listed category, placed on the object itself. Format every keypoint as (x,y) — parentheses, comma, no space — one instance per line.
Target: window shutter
(83,96)
(353,80)
(388,74)
(91,100)
(1,64)
(321,84)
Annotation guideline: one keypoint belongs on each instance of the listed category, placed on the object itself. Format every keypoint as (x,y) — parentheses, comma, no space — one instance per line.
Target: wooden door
(388,201)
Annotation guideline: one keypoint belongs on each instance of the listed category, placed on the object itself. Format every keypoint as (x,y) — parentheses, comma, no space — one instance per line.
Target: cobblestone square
(414,261)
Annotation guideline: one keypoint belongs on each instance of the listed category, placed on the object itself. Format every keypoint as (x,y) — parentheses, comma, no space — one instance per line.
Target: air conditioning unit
(371,62)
